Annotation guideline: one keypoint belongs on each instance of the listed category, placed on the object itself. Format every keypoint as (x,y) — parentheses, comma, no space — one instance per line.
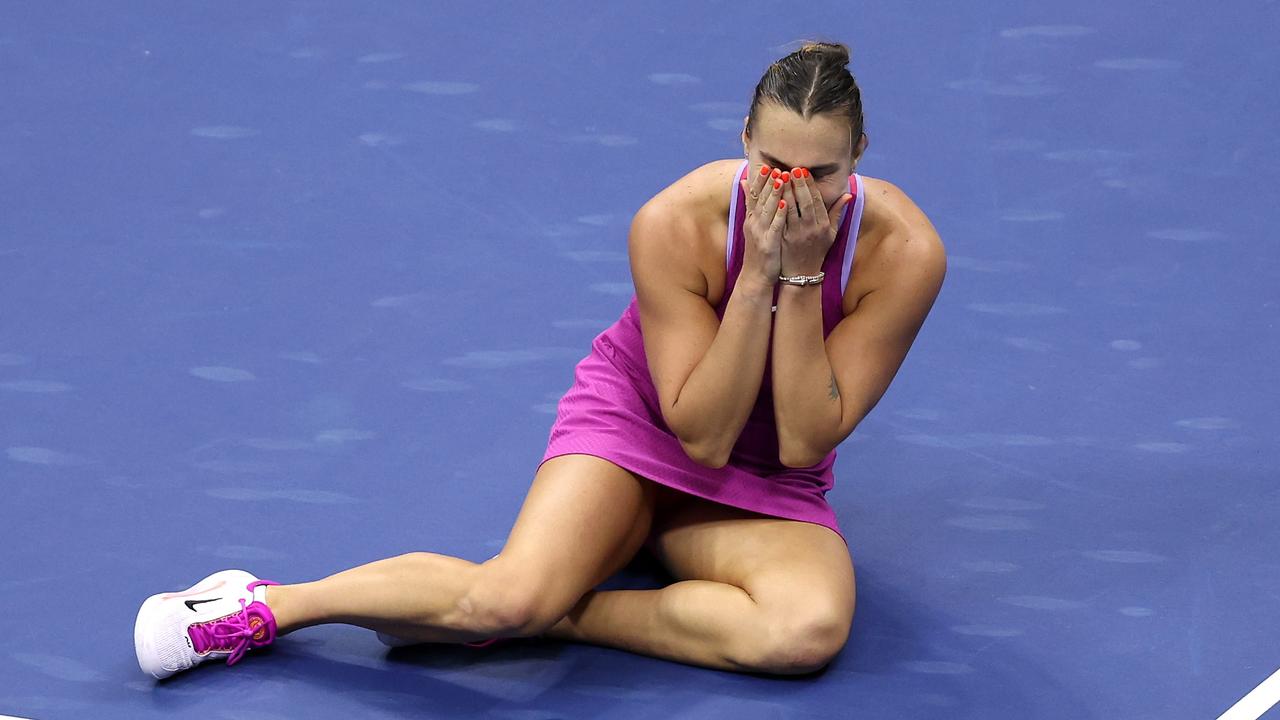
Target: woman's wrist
(801,269)
(756,287)
(803,279)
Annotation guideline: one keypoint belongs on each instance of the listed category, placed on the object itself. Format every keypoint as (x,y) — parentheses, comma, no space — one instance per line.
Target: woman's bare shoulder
(889,207)
(898,232)
(699,194)
(685,222)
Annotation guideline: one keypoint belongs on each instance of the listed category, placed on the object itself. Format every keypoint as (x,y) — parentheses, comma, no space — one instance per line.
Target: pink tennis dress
(612,409)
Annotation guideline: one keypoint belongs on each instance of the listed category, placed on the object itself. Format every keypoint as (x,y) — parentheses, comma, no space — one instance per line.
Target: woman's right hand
(762,228)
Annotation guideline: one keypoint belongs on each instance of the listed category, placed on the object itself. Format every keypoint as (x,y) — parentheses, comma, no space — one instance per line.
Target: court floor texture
(292,287)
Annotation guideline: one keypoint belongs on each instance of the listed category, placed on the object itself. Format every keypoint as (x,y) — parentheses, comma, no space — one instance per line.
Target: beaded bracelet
(802,279)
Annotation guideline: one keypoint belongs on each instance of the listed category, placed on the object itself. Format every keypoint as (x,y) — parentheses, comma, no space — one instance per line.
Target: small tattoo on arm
(835,391)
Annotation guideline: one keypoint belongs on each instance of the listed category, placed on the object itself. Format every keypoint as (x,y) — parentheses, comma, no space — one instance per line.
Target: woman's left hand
(810,228)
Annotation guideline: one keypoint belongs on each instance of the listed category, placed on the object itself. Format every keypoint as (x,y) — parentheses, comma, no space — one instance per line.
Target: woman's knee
(583,520)
(510,602)
(793,641)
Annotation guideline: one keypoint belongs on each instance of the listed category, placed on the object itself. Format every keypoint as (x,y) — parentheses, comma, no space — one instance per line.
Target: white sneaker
(223,616)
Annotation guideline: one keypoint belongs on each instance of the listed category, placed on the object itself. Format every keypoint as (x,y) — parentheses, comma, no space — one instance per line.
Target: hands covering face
(789,203)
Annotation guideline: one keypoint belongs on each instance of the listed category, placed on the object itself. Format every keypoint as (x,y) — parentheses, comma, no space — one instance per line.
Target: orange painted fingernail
(764,169)
(786,177)
(805,171)
(776,172)
(776,184)
(782,204)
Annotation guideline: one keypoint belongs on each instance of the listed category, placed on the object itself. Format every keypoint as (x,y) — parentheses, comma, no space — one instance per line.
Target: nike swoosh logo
(191,604)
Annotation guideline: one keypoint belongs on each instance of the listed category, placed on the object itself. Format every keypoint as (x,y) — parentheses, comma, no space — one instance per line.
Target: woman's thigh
(582,520)
(799,573)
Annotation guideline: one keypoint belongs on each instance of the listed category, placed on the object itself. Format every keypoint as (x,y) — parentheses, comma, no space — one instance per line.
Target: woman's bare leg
(757,593)
(422,596)
(583,519)
(697,622)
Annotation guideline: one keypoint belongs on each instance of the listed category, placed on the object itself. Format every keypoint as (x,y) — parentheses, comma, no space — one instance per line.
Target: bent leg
(697,622)
(756,594)
(582,520)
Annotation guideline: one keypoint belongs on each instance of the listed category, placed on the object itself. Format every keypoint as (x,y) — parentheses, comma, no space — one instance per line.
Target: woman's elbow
(715,462)
(705,456)
(799,458)
(702,450)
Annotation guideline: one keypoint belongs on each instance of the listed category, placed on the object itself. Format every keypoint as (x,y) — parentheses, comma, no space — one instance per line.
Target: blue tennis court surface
(297,287)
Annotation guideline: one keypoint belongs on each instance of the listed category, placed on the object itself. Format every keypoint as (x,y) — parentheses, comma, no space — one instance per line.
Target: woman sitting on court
(776,297)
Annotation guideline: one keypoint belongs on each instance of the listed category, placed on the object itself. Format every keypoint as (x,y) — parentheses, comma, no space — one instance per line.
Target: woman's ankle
(278,599)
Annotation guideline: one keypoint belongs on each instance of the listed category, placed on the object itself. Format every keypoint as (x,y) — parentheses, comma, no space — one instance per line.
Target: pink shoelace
(236,633)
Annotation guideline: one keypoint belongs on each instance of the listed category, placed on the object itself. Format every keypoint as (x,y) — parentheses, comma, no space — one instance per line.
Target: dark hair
(810,81)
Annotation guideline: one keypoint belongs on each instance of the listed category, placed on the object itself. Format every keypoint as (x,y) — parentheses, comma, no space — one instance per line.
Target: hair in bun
(833,52)
(810,81)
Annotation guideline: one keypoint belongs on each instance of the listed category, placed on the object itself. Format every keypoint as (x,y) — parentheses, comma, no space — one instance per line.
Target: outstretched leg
(583,519)
(424,594)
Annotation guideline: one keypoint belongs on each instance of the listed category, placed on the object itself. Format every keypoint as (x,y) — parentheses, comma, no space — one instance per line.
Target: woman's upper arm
(677,321)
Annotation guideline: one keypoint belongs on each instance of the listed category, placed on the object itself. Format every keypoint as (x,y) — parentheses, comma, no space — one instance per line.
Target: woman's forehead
(803,145)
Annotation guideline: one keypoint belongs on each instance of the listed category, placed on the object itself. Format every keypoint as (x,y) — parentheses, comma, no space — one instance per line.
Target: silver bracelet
(803,279)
